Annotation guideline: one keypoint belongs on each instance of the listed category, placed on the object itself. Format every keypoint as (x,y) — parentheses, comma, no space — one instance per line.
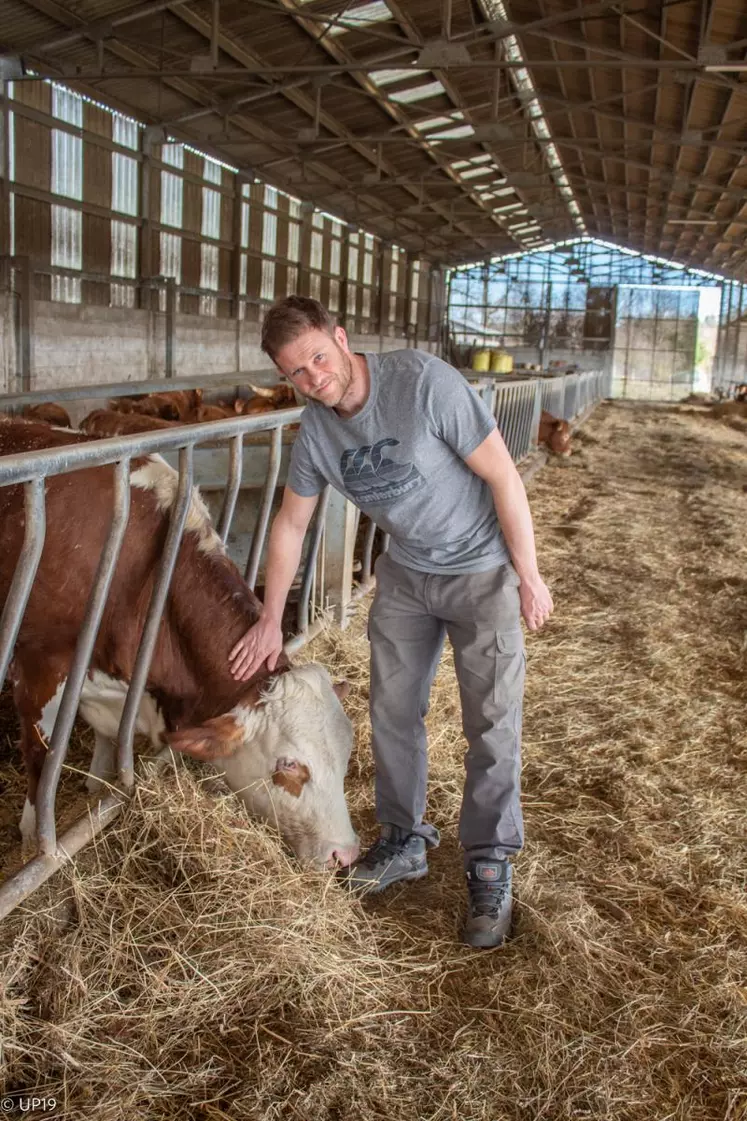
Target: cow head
(285,753)
(560,438)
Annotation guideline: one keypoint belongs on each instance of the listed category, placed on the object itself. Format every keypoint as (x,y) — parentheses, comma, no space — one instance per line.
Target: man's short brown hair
(291,317)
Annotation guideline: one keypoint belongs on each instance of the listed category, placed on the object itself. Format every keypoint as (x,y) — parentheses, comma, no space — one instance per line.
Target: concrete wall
(75,344)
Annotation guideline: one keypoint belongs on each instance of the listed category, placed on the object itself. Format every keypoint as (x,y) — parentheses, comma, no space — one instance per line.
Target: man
(411,444)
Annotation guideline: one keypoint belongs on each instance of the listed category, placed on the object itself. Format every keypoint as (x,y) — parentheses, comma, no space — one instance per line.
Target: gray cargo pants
(411,614)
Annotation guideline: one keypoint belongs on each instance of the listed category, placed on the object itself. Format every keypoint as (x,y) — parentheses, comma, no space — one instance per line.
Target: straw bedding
(187,968)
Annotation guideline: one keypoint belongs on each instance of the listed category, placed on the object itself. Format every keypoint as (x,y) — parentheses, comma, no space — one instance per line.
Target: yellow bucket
(500,362)
(481,361)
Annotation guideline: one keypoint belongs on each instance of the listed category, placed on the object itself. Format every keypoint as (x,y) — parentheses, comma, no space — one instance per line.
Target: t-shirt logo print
(370,478)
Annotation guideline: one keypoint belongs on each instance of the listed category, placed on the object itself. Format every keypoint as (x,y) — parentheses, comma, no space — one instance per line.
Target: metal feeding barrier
(517,402)
(327,571)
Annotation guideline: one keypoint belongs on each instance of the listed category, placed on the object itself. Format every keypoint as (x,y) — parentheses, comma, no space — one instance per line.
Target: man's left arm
(492,462)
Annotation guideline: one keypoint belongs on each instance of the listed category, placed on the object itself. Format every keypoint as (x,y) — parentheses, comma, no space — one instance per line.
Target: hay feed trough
(184,967)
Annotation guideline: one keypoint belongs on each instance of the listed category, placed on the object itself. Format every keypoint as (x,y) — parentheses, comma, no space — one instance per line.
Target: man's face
(319,365)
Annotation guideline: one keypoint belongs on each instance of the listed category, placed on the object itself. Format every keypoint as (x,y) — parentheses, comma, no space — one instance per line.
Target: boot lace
(486,899)
(380,851)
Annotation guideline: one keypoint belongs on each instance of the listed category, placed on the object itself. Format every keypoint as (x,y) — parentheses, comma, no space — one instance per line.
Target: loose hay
(186,967)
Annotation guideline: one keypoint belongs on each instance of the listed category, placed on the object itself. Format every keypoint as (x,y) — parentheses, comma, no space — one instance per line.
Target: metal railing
(31,470)
(553,395)
(515,402)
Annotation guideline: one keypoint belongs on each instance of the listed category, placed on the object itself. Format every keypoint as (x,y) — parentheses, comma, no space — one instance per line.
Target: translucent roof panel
(474,172)
(364,16)
(419,93)
(453,133)
(387,77)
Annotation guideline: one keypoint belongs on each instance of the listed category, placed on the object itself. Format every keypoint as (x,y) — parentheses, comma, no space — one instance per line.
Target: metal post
(304,245)
(26,566)
(368,544)
(238,203)
(383,293)
(410,329)
(233,484)
(536,413)
(263,517)
(24,321)
(339,550)
(311,558)
(169,328)
(155,611)
(344,299)
(5,188)
(215,35)
(144,254)
(50,776)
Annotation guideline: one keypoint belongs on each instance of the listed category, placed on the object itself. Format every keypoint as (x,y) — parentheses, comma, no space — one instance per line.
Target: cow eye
(288,766)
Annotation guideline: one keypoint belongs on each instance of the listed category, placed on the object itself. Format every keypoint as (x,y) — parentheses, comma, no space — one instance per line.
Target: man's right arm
(264,640)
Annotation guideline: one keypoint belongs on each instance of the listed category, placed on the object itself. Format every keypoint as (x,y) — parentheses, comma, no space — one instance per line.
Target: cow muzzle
(340,856)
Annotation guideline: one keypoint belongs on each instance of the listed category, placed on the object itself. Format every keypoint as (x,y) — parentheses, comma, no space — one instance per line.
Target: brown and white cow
(107,422)
(556,434)
(49,412)
(174,404)
(282,739)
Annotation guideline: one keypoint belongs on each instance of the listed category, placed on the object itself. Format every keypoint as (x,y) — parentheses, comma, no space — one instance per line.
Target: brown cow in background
(555,434)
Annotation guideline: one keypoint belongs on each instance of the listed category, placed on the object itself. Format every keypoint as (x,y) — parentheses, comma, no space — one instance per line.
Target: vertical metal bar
(6,235)
(536,412)
(368,544)
(527,407)
(500,412)
(236,248)
(145,256)
(215,35)
(26,566)
(310,565)
(511,421)
(527,413)
(336,566)
(384,260)
(25,322)
(446,19)
(233,483)
(345,286)
(50,776)
(152,621)
(169,325)
(263,517)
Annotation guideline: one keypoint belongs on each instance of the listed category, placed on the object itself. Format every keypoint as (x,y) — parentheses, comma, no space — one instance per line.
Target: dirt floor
(187,968)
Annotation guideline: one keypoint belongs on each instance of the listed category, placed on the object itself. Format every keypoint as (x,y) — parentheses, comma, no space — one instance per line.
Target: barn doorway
(664,341)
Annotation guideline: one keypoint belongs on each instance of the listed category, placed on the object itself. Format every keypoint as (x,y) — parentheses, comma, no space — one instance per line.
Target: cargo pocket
(510,667)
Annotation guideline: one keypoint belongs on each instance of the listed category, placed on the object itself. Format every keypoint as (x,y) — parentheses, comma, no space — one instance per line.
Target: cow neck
(210,607)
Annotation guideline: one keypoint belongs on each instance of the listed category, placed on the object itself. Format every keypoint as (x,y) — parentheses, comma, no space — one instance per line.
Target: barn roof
(459,129)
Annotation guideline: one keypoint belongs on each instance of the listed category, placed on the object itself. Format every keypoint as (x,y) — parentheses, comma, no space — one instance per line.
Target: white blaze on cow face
(286,757)
(160,478)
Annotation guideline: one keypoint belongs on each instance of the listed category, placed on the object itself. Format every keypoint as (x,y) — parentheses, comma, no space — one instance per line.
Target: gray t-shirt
(400,460)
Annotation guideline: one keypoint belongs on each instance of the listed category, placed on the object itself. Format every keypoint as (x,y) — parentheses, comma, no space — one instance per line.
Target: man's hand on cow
(536,603)
(262,642)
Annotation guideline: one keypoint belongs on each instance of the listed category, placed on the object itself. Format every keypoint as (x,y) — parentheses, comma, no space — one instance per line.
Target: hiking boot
(489,907)
(397,856)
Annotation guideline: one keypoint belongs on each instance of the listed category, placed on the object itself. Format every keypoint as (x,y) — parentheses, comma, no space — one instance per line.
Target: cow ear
(341,688)
(238,406)
(215,739)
